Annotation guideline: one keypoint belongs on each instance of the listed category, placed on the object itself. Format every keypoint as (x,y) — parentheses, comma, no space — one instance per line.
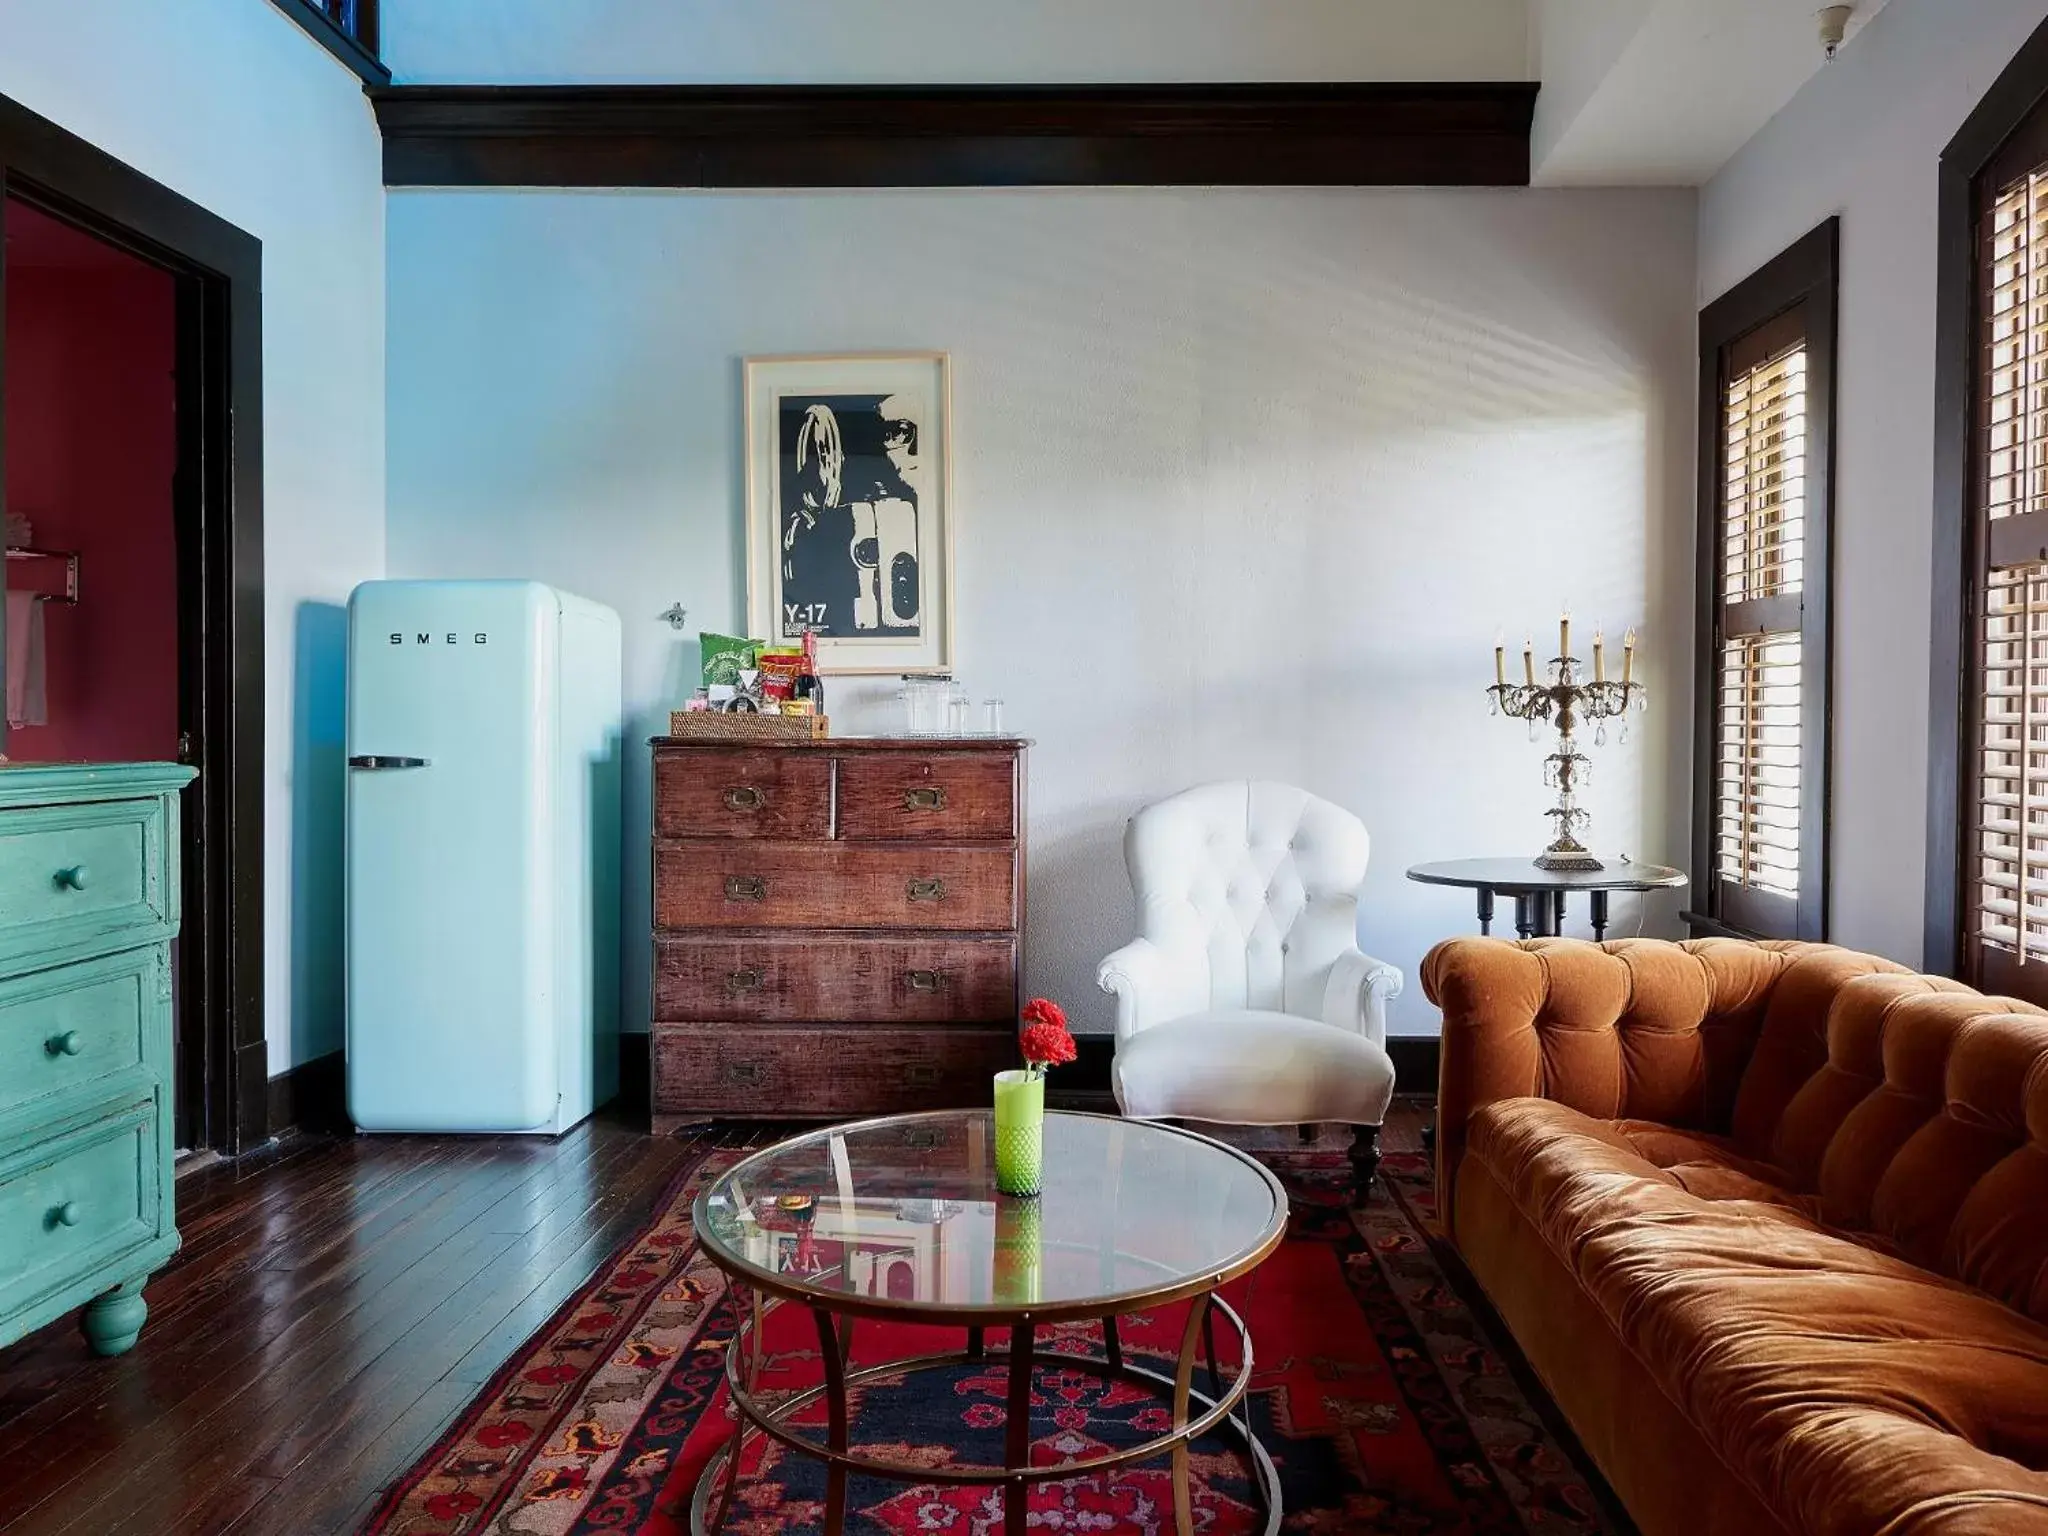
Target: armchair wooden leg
(1365,1160)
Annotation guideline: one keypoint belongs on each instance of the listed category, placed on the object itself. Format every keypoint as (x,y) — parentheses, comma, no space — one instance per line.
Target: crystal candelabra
(1567,701)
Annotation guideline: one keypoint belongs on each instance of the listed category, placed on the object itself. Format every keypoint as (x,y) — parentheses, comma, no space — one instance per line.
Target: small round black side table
(1539,893)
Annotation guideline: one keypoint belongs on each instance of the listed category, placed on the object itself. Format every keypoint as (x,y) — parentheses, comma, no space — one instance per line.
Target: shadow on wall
(604,884)
(319,789)
(1080,909)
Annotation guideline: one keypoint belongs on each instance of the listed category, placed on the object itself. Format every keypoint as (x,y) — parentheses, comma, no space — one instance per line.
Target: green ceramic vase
(1020,1133)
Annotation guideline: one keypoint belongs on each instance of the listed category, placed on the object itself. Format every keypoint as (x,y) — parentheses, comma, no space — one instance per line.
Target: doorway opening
(131,493)
(91,528)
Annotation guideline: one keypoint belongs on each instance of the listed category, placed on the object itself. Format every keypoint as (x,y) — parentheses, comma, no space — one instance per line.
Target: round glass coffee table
(898,1219)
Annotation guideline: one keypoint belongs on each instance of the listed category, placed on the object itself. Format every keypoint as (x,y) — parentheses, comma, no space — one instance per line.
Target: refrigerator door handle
(372,760)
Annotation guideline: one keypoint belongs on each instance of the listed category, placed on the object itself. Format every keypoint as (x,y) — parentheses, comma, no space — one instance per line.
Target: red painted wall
(91,446)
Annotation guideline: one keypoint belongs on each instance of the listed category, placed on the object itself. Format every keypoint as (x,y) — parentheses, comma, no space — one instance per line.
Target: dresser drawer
(75,1025)
(774,1073)
(712,884)
(75,1202)
(788,978)
(74,875)
(742,794)
(938,795)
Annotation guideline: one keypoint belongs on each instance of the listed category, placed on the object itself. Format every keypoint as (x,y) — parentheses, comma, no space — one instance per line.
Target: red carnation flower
(1044,1038)
(1043,1010)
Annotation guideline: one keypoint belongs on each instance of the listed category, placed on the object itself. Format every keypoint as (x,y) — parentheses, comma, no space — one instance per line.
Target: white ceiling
(1635,92)
(1663,92)
(919,42)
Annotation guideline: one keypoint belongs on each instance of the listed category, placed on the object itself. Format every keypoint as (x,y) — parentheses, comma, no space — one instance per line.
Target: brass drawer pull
(925,798)
(66,1044)
(925,981)
(747,1073)
(744,797)
(66,1215)
(927,890)
(745,888)
(72,879)
(743,981)
(921,1075)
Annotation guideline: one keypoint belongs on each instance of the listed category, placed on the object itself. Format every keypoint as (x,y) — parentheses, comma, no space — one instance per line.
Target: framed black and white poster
(849,515)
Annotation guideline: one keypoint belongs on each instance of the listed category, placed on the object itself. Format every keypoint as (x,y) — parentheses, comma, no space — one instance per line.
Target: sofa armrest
(1545,1020)
(1357,995)
(1151,984)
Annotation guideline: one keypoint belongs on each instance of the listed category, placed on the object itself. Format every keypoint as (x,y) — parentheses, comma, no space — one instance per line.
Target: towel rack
(24,555)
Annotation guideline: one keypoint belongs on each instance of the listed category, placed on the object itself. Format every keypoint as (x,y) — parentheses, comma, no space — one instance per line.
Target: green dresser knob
(66,1044)
(68,1214)
(72,879)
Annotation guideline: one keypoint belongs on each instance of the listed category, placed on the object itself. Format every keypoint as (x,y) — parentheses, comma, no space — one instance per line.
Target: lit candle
(1529,661)
(1599,658)
(1564,633)
(1628,656)
(1500,660)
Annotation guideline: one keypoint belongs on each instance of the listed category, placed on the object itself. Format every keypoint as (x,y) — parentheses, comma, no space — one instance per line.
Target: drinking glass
(992,717)
(924,705)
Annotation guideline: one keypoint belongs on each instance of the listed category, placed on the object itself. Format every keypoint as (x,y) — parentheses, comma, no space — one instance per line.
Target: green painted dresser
(88,907)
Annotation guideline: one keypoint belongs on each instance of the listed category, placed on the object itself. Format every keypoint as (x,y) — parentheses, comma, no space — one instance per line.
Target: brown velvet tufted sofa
(1770,1221)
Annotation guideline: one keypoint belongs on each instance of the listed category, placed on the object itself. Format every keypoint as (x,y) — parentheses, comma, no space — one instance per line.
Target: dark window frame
(2016,103)
(359,49)
(1802,280)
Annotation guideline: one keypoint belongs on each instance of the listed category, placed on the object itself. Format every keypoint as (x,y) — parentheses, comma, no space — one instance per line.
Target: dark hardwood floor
(336,1302)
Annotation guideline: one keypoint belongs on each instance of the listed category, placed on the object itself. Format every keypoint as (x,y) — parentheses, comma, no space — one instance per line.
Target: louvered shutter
(1759,763)
(2006,894)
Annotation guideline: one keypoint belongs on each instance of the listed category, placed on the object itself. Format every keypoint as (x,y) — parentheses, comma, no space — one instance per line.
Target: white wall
(899,41)
(1864,140)
(1246,481)
(230,104)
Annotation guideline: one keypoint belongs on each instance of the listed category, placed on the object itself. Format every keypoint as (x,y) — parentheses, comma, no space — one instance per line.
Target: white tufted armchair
(1245,999)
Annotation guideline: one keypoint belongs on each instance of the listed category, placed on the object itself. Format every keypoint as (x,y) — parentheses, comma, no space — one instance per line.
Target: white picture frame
(849,508)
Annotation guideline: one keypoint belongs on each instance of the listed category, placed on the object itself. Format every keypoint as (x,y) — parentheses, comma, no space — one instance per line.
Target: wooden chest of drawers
(88,907)
(836,926)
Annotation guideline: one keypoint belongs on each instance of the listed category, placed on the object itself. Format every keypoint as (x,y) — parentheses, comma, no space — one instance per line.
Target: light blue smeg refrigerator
(484,723)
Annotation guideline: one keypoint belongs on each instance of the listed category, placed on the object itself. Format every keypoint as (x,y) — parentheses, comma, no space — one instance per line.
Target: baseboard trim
(1416,1060)
(636,1073)
(1082,1084)
(311,1097)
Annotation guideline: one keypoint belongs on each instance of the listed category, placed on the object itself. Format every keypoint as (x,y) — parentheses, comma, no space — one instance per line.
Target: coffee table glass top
(902,1214)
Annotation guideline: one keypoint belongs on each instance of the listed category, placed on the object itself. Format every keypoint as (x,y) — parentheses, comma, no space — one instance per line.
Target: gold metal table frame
(834,1314)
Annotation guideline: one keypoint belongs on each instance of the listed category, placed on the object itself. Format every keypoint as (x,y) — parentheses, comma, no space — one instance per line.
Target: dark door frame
(218,500)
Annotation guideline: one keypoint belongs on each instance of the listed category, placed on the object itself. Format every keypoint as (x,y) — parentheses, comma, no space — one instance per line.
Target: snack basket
(717,725)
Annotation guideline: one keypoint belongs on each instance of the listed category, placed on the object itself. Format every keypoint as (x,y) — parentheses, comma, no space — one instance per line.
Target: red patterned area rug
(1384,1400)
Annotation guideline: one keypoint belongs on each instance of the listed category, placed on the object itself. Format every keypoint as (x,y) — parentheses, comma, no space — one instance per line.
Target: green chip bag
(726,656)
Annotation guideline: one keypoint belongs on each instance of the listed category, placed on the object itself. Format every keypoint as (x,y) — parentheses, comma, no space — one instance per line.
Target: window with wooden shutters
(2005,899)
(1761,773)
(1987,761)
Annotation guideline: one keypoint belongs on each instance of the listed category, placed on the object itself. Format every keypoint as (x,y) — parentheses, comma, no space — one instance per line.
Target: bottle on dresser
(808,684)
